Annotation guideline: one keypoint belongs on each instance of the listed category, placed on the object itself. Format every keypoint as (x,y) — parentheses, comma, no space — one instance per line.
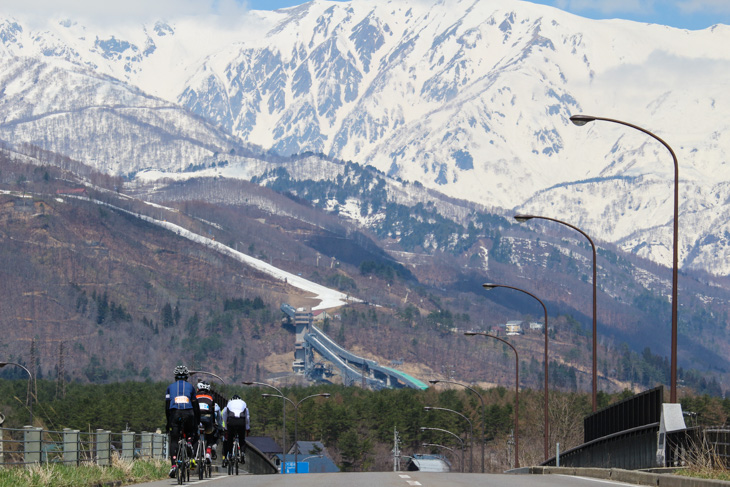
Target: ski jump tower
(302,322)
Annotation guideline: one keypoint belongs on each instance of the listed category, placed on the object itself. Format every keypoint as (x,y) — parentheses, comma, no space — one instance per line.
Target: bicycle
(204,466)
(183,462)
(234,456)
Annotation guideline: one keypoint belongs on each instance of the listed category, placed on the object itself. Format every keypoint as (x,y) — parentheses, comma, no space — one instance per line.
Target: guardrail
(31,445)
(631,449)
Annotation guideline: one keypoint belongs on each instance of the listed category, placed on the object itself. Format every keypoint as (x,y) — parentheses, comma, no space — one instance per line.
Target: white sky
(689,14)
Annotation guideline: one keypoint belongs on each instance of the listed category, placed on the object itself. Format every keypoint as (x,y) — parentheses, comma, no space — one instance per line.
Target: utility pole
(396,450)
(61,380)
(33,391)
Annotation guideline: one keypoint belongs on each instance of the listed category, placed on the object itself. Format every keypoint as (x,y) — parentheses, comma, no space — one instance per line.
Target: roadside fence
(31,445)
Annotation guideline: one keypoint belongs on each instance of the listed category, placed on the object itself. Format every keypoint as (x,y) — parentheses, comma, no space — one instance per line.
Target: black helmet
(235,396)
(181,372)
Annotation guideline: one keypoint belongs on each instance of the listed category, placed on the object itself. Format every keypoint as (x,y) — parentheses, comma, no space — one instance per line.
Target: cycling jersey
(206,403)
(236,408)
(180,395)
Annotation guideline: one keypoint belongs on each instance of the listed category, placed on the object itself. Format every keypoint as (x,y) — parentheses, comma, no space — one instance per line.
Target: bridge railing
(631,449)
(31,445)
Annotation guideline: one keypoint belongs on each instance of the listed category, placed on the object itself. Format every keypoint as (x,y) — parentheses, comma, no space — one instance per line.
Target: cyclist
(236,422)
(181,410)
(210,418)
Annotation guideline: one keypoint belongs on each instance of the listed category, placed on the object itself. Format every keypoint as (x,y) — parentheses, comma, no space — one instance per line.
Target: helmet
(181,372)
(203,386)
(235,396)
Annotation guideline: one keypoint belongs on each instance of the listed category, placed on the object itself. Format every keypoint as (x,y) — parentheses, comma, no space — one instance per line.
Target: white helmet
(203,386)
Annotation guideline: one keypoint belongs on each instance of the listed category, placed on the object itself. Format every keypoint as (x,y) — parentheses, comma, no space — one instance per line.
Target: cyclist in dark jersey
(182,411)
(210,418)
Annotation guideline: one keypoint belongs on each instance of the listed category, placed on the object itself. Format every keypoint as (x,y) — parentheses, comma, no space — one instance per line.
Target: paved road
(392,479)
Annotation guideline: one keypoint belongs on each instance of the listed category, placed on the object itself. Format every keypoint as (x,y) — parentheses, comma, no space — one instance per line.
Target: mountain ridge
(482,112)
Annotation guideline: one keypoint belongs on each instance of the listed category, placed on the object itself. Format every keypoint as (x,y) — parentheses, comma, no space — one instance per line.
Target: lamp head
(423,428)
(427,408)
(266,395)
(489,286)
(3,364)
(523,218)
(470,333)
(580,120)
(247,382)
(434,381)
(326,394)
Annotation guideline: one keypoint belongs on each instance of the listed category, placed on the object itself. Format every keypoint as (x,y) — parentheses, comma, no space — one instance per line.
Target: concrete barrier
(257,463)
(627,476)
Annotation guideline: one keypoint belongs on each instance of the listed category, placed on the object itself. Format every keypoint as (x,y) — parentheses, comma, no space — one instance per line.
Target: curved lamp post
(283,412)
(193,372)
(517,390)
(490,286)
(581,120)
(471,432)
(296,421)
(594,396)
(484,409)
(435,445)
(425,428)
(30,383)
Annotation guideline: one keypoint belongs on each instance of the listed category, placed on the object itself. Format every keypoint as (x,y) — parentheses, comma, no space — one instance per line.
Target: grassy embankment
(55,475)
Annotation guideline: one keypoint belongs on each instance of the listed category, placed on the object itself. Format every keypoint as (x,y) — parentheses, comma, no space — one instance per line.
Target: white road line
(413,482)
(404,476)
(603,481)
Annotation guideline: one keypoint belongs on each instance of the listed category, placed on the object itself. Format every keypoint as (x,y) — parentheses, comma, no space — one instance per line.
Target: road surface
(392,479)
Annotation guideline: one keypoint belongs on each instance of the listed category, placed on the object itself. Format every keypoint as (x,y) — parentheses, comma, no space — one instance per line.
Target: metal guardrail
(31,445)
(636,448)
(631,449)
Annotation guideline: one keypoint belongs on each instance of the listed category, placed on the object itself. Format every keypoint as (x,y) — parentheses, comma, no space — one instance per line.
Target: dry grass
(702,461)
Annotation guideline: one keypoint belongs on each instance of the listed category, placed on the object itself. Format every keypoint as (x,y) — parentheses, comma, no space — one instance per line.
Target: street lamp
(517,390)
(193,372)
(435,445)
(424,428)
(490,286)
(471,432)
(581,120)
(296,421)
(524,218)
(30,385)
(484,409)
(283,412)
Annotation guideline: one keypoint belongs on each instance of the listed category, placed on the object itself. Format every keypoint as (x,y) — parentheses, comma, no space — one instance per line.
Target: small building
(313,453)
(428,463)
(513,327)
(534,325)
(320,315)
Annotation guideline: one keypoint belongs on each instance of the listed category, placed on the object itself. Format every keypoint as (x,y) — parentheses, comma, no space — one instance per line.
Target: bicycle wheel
(200,458)
(230,464)
(182,455)
(237,456)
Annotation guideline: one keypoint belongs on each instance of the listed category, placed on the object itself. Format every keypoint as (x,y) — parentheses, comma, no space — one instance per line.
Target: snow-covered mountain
(470,97)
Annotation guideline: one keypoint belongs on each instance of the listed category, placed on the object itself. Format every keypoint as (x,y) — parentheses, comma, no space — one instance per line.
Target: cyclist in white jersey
(236,421)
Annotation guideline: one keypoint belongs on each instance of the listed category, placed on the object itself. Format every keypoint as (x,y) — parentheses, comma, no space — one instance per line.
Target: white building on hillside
(513,327)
